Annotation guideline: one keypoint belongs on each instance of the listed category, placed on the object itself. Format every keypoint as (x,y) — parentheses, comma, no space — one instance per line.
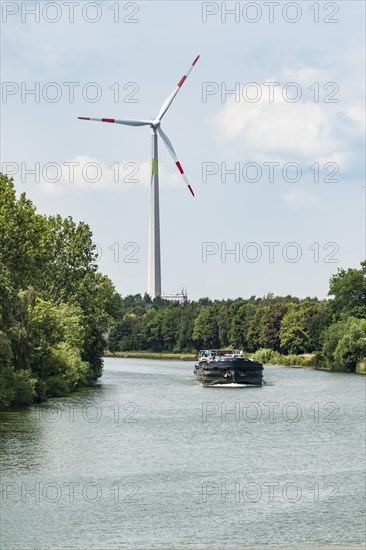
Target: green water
(149,459)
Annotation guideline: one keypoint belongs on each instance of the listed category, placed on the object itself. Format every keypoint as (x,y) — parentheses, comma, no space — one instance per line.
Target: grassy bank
(266,356)
(152,355)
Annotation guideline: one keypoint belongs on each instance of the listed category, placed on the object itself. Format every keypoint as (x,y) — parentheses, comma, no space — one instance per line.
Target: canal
(149,459)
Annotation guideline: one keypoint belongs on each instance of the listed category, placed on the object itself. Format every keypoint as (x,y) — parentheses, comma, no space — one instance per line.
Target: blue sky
(212,130)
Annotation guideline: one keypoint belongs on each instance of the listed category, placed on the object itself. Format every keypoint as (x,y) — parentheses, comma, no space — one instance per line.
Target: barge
(216,367)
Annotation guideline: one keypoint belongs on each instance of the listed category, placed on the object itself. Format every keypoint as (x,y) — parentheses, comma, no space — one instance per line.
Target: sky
(269,128)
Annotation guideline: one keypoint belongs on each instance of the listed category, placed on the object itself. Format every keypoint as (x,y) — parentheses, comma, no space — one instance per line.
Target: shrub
(263,355)
(345,344)
(66,360)
(24,387)
(56,386)
(352,346)
(319,360)
(5,349)
(7,391)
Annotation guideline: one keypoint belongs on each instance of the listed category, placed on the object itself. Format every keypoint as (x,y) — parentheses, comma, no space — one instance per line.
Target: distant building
(181,297)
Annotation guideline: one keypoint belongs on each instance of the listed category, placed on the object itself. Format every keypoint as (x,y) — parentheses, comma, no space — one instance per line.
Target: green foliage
(56,312)
(56,386)
(301,327)
(349,291)
(24,386)
(206,330)
(345,344)
(16,387)
(7,391)
(279,330)
(268,356)
(319,360)
(163,326)
(241,317)
(265,355)
(264,325)
(57,337)
(5,350)
(54,305)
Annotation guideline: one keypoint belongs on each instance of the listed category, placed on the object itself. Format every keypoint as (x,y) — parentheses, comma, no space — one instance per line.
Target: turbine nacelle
(155,123)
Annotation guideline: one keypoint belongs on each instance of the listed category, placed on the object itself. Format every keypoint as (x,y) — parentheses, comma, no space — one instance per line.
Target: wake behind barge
(227,368)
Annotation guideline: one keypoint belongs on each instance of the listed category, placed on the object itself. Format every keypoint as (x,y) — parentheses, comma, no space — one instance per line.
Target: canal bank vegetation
(328,334)
(54,305)
(265,356)
(56,310)
(152,355)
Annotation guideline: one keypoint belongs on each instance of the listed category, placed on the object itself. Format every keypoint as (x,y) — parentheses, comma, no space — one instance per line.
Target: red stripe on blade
(107,119)
(181,81)
(191,190)
(195,61)
(84,117)
(179,167)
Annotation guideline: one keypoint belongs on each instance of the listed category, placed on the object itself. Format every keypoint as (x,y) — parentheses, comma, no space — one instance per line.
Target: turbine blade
(117,121)
(169,100)
(170,148)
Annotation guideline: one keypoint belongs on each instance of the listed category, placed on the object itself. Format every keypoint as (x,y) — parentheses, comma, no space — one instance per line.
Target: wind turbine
(154,263)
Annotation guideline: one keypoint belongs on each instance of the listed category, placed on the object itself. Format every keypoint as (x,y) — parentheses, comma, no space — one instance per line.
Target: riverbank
(152,355)
(270,357)
(265,356)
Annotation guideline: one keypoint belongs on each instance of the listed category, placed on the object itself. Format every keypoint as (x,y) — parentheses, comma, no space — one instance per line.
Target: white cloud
(292,131)
(305,131)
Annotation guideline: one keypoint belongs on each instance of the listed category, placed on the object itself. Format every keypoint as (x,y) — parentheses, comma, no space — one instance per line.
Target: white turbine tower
(154,263)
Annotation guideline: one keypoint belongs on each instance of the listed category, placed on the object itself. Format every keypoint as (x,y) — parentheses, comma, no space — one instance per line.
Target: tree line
(335,329)
(54,304)
(58,313)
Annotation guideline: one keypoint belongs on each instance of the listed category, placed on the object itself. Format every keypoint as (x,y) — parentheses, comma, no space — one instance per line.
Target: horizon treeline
(54,305)
(334,328)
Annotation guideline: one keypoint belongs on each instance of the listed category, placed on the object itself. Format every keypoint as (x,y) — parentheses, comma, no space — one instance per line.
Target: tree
(302,325)
(169,326)
(345,344)
(264,326)
(239,327)
(188,314)
(55,308)
(349,291)
(206,332)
